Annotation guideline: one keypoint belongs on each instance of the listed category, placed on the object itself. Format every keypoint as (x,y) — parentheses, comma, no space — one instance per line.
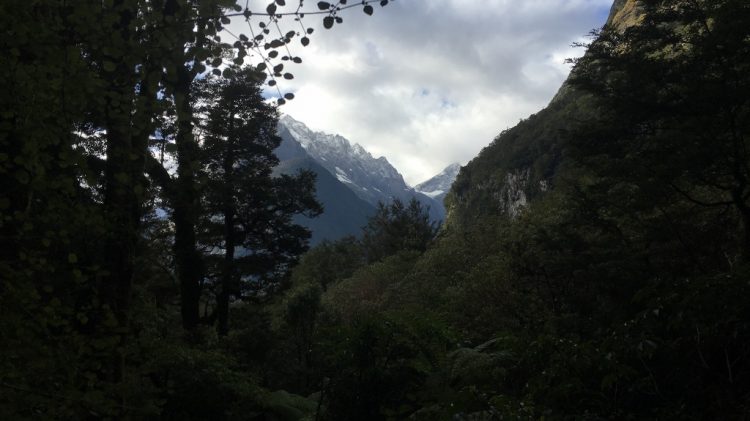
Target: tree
(397,227)
(329,262)
(84,84)
(247,210)
(196,26)
(674,109)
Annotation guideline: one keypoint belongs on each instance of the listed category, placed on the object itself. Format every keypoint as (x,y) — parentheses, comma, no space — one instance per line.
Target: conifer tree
(247,209)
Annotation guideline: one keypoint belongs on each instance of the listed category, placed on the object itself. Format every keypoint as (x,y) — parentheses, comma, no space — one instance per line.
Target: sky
(427,83)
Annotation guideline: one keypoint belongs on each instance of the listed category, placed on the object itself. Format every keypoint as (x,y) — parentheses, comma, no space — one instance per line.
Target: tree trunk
(123,191)
(187,257)
(227,275)
(744,211)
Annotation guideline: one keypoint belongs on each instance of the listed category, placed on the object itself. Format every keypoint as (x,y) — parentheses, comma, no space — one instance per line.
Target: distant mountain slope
(343,212)
(371,179)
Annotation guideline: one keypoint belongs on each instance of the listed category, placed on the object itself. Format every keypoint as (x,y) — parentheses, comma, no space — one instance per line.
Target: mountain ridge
(374,180)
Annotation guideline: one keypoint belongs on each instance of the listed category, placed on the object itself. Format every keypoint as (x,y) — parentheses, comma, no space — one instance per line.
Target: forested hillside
(594,264)
(594,258)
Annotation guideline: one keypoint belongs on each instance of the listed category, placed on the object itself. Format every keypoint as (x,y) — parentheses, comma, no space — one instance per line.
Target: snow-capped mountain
(438,186)
(372,179)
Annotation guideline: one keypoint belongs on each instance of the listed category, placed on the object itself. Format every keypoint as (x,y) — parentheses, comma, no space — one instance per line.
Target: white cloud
(430,82)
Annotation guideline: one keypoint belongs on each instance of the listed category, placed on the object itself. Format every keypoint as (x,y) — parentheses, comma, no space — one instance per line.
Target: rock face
(520,163)
(371,179)
(625,13)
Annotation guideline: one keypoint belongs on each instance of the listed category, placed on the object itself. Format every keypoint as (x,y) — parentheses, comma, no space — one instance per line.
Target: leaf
(339,19)
(261,67)
(237,8)
(201,53)
(109,66)
(244,38)
(297,60)
(247,13)
(368,10)
(383,3)
(225,20)
(289,96)
(328,22)
(278,68)
(216,62)
(305,41)
(271,9)
(310,31)
(273,54)
(217,72)
(323,5)
(281,2)
(290,34)
(281,101)
(227,73)
(288,76)
(271,82)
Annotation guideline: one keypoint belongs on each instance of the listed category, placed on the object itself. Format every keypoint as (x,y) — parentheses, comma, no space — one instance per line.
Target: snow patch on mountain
(341,175)
(433,194)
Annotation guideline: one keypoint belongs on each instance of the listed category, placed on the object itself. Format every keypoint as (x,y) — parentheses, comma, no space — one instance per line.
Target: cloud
(429,82)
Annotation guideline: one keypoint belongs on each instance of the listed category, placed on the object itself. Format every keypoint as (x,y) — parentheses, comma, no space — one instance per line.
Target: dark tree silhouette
(247,211)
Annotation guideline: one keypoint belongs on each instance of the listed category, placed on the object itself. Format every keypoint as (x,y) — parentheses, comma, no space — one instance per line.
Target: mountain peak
(437,186)
(307,137)
(371,179)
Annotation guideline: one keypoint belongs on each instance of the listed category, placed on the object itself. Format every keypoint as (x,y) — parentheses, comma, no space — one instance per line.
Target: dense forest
(594,263)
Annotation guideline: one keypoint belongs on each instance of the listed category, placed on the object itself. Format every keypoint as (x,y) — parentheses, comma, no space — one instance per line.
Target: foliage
(617,292)
(396,227)
(379,366)
(329,262)
(83,243)
(247,229)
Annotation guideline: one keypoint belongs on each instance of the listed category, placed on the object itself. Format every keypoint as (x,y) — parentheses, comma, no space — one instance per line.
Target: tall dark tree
(248,210)
(397,227)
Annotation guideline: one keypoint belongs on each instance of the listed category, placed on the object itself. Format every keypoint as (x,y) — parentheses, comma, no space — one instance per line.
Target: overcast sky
(426,83)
